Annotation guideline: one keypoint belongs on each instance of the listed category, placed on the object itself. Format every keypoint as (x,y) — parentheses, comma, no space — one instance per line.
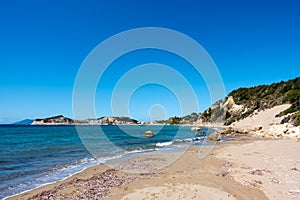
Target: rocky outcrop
(196,128)
(223,111)
(285,131)
(214,137)
(149,134)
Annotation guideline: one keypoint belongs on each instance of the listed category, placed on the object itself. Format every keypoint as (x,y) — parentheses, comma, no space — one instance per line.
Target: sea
(32,156)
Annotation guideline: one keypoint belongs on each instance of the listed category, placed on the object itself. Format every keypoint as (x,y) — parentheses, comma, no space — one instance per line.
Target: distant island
(61,120)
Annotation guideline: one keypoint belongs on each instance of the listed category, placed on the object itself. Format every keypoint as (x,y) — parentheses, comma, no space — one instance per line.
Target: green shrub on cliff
(293,97)
(174,120)
(267,96)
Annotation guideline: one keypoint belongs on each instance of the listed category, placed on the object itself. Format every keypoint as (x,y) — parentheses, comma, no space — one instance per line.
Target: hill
(265,97)
(243,102)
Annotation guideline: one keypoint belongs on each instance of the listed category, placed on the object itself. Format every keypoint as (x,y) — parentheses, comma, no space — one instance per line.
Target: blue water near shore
(32,156)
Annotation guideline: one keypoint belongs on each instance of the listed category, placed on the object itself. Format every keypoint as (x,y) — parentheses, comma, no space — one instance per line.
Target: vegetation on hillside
(187,119)
(267,96)
(243,102)
(174,120)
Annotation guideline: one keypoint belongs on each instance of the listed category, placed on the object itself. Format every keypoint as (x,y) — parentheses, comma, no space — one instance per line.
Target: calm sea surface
(32,156)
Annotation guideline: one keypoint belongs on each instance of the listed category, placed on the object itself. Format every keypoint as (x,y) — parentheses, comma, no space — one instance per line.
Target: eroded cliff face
(222,112)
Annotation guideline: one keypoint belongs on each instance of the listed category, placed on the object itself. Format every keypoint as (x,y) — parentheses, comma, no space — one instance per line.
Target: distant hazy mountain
(24,122)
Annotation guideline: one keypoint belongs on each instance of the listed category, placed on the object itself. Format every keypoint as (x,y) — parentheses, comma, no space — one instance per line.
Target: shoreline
(75,168)
(256,138)
(50,183)
(217,171)
(100,168)
(112,160)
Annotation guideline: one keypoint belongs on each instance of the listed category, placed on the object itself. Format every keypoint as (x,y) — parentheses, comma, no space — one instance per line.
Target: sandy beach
(246,168)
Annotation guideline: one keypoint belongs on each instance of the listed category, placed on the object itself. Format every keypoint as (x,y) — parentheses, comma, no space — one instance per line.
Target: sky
(44,43)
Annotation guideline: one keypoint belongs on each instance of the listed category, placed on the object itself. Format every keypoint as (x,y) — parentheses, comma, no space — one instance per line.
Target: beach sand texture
(235,170)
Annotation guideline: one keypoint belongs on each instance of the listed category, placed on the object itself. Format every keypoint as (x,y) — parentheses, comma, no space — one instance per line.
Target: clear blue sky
(43,43)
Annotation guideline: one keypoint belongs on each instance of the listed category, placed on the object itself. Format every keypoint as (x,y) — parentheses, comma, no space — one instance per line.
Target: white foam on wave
(140,151)
(163,144)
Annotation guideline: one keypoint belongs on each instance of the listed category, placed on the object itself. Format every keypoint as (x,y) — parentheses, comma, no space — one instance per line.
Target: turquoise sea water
(31,156)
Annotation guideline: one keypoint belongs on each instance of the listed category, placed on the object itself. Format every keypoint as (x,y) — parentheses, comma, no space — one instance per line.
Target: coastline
(221,172)
(258,162)
(252,160)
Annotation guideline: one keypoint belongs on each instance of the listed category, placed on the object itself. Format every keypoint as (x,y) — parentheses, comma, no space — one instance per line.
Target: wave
(139,150)
(163,144)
